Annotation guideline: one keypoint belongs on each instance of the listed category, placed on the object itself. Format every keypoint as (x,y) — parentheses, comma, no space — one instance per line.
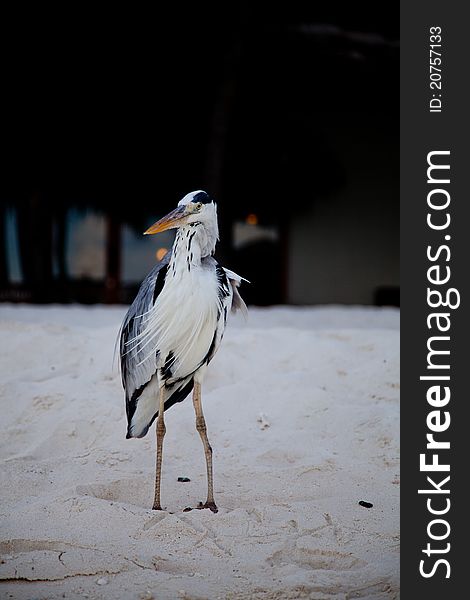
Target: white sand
(303,414)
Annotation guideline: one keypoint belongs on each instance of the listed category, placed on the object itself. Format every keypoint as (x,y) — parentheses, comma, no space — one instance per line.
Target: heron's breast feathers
(180,327)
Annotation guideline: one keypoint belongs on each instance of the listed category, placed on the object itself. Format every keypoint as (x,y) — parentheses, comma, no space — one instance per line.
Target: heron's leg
(201,428)
(161,430)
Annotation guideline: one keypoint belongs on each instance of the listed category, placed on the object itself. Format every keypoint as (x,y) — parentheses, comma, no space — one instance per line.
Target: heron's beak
(174,219)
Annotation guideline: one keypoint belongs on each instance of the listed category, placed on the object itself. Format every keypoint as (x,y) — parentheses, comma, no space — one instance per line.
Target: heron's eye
(199,206)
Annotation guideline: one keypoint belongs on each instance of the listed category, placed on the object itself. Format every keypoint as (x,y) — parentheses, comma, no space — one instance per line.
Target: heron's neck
(192,243)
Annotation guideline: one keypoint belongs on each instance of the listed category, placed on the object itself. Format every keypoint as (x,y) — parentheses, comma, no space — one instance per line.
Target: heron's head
(195,207)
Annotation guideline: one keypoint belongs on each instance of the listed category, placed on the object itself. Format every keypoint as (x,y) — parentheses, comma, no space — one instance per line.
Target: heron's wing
(229,298)
(136,372)
(237,301)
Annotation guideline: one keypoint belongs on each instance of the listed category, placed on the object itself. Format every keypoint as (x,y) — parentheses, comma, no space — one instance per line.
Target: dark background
(288,114)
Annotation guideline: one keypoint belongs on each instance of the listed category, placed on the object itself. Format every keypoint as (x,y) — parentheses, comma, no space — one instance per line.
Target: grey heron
(175,325)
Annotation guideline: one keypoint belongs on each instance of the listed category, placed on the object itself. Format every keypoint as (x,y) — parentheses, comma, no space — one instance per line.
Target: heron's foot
(211,505)
(156,506)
